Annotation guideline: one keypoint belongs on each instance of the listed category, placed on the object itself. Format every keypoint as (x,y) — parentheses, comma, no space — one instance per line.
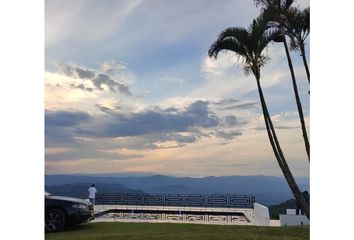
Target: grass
(159,231)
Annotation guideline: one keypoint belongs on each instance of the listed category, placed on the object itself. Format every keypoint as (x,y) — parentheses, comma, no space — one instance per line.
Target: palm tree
(276,11)
(248,45)
(298,28)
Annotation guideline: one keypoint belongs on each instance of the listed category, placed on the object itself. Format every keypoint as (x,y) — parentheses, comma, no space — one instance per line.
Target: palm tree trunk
(279,154)
(302,49)
(298,102)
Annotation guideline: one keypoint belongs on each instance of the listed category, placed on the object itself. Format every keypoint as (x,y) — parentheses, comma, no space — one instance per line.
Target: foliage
(248,44)
(275,210)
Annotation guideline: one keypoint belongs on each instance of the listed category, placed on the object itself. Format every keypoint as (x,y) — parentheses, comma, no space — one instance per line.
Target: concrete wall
(261,215)
(199,215)
(293,220)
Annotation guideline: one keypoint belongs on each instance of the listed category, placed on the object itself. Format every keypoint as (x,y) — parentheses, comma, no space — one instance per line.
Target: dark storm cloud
(98,79)
(65,118)
(153,121)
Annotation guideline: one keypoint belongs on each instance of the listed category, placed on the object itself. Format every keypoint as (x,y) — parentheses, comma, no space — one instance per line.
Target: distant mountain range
(80,190)
(268,190)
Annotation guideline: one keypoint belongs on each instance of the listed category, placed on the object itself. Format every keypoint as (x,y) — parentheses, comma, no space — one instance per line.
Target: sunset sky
(129,88)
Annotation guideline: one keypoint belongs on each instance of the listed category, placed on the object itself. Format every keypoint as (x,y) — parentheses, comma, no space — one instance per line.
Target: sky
(129,88)
(22,103)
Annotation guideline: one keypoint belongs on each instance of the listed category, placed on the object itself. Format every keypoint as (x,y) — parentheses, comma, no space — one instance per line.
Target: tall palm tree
(276,11)
(248,44)
(298,28)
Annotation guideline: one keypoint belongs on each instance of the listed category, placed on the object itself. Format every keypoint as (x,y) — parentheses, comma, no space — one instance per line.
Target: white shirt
(92,192)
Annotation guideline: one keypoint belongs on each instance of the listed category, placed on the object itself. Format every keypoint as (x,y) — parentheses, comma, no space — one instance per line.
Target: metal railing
(187,200)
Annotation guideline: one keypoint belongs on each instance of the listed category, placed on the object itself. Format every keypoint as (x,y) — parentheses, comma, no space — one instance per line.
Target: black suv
(63,211)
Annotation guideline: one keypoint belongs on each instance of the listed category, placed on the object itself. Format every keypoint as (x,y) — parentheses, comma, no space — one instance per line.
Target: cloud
(89,21)
(196,114)
(178,120)
(60,125)
(112,67)
(226,101)
(240,106)
(228,135)
(104,108)
(84,153)
(152,128)
(276,127)
(169,140)
(98,79)
(102,79)
(65,118)
(231,103)
(58,136)
(282,121)
(84,73)
(81,87)
(230,120)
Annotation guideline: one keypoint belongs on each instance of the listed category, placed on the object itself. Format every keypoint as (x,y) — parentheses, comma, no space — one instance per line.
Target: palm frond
(306,17)
(264,4)
(232,39)
(287,4)
(247,44)
(297,26)
(263,31)
(226,44)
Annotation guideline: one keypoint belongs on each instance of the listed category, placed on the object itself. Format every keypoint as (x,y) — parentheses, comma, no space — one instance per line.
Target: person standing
(92,193)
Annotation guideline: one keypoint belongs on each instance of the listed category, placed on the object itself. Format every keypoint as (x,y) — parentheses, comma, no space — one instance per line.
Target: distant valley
(268,190)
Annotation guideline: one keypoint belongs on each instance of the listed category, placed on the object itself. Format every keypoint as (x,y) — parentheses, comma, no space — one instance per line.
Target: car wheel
(55,220)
